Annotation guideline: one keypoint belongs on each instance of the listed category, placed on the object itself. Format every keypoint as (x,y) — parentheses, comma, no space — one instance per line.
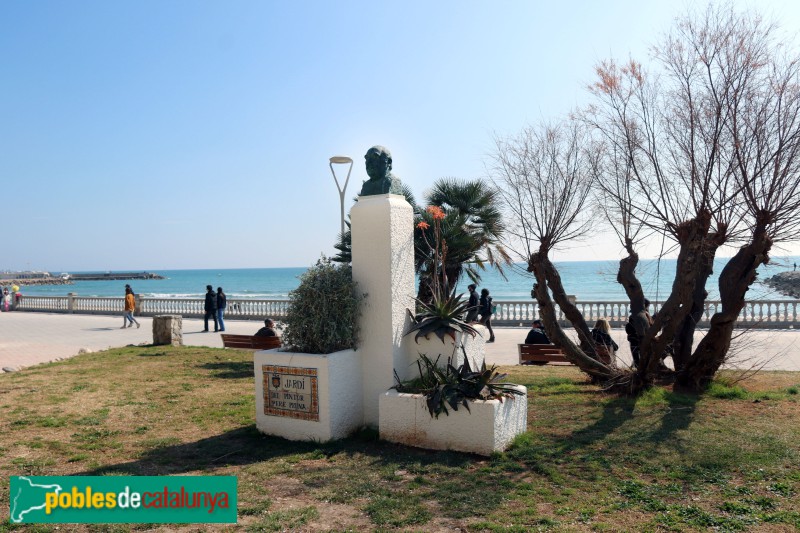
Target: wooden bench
(250,342)
(540,354)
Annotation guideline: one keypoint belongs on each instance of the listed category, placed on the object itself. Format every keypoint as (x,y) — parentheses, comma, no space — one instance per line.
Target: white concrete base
(338,410)
(488,427)
(432,347)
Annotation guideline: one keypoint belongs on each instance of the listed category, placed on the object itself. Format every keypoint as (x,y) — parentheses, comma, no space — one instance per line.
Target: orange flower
(436,212)
(423,225)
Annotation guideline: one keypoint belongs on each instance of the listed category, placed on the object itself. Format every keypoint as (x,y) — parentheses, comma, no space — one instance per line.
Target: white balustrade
(756,313)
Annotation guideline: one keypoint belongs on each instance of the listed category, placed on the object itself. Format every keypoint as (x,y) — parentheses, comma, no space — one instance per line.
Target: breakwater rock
(113,276)
(22,282)
(787,283)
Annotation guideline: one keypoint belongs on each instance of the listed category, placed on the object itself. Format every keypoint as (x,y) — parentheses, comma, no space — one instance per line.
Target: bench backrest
(250,342)
(540,353)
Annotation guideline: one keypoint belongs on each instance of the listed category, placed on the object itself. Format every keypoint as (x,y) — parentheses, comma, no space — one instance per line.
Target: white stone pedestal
(383,266)
(322,400)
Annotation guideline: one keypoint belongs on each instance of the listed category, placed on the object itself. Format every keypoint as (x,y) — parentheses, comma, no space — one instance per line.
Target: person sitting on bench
(268,330)
(537,335)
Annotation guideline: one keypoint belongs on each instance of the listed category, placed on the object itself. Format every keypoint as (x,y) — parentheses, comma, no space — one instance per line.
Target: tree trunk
(691,235)
(684,339)
(571,311)
(734,282)
(626,276)
(537,264)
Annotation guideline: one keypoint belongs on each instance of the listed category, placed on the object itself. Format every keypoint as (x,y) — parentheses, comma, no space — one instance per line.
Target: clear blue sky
(188,134)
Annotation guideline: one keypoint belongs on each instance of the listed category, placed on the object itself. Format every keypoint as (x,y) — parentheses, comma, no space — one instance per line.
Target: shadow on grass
(230,369)
(246,445)
(678,416)
(241,446)
(360,469)
(605,441)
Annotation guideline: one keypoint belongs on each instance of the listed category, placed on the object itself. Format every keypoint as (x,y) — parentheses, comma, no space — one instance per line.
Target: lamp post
(341,160)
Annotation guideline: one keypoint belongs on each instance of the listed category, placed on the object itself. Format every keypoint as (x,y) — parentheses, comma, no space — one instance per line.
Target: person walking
(210,308)
(472,309)
(222,303)
(130,305)
(485,307)
(125,306)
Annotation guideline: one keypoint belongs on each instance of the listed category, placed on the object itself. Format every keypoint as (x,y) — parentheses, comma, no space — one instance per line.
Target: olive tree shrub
(323,310)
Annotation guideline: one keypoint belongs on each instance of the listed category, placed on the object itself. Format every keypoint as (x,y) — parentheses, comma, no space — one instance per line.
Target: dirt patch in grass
(589,462)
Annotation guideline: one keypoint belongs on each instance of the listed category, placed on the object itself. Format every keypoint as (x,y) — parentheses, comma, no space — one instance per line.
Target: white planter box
(323,399)
(432,347)
(489,426)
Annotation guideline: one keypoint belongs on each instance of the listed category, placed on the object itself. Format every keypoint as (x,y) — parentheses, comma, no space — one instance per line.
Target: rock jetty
(34,281)
(787,283)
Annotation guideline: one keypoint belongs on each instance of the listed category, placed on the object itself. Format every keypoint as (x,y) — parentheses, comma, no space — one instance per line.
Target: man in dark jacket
(268,330)
(635,329)
(537,335)
(472,309)
(211,307)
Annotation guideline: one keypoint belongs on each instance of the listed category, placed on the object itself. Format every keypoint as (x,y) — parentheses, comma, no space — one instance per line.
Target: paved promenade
(31,338)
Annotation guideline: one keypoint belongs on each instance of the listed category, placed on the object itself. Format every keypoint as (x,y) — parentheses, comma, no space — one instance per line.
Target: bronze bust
(381,180)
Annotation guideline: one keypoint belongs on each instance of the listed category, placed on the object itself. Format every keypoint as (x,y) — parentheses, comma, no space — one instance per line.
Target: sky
(194,134)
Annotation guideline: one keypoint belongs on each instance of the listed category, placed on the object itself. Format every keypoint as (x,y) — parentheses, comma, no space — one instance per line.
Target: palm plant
(472,227)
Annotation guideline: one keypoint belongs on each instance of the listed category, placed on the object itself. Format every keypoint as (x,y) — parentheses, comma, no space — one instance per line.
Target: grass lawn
(729,460)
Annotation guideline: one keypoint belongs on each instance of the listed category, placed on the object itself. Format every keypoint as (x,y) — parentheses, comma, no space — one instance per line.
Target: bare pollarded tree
(700,149)
(545,176)
(709,148)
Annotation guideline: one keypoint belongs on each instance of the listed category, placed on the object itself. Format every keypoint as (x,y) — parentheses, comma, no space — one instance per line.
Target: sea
(587,280)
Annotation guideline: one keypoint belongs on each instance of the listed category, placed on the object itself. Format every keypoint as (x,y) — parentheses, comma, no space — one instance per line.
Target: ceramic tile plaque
(291,392)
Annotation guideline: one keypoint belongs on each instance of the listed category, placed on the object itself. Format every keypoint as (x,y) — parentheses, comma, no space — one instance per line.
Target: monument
(329,396)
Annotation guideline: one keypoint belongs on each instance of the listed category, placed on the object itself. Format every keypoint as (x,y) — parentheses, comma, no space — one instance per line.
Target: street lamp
(341,160)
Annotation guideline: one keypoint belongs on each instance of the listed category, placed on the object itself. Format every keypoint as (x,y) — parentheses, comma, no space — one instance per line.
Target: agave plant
(444,315)
(445,312)
(455,386)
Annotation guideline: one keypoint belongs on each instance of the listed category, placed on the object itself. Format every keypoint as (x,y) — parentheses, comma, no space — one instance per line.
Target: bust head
(379,162)
(379,169)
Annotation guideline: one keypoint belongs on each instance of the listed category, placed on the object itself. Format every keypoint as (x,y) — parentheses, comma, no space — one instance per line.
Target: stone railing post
(71,302)
(137,307)
(168,330)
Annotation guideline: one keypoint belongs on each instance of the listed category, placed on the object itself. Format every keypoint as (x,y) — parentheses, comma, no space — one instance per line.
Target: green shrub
(323,310)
